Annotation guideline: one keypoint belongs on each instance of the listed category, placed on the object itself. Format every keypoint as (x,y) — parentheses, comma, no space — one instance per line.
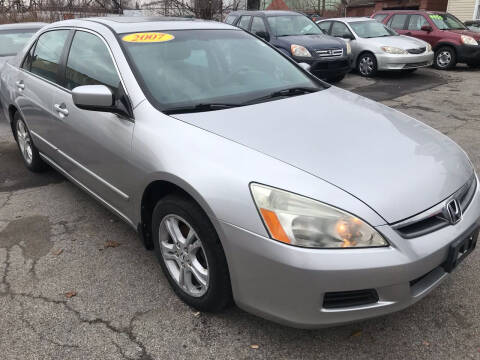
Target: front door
(96,144)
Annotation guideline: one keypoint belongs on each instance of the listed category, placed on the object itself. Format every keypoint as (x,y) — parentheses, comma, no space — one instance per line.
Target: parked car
(473,25)
(298,37)
(452,42)
(248,176)
(375,47)
(13,38)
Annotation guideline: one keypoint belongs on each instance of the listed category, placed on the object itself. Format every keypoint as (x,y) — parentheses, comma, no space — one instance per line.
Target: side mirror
(305,66)
(264,35)
(348,37)
(98,98)
(426,28)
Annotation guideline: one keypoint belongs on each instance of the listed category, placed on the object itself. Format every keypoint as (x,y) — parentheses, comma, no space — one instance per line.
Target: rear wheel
(445,58)
(367,65)
(190,254)
(29,152)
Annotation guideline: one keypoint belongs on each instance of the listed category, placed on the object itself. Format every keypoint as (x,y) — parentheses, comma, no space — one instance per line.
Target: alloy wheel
(24,141)
(366,66)
(184,255)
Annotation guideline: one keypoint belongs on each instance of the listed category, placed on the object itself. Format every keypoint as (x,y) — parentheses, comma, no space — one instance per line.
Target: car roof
(124,24)
(23,26)
(409,12)
(349,19)
(265,12)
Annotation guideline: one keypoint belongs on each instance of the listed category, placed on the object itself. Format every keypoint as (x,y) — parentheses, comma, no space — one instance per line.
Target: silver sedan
(251,179)
(376,47)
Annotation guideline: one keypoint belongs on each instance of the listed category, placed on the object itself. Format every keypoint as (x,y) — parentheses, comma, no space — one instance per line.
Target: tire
(367,65)
(181,214)
(29,152)
(336,79)
(445,58)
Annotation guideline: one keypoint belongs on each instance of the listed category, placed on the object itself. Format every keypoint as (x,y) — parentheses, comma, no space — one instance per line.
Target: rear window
(12,41)
(397,21)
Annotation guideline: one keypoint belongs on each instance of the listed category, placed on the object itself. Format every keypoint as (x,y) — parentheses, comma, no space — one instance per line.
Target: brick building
(368,7)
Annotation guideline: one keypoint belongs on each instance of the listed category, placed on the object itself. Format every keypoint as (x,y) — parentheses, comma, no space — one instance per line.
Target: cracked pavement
(52,242)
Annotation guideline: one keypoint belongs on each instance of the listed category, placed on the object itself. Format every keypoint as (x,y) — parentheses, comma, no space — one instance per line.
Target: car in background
(375,47)
(450,39)
(473,25)
(13,38)
(298,37)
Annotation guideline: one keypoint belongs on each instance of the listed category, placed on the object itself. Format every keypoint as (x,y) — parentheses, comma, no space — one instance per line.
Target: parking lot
(76,282)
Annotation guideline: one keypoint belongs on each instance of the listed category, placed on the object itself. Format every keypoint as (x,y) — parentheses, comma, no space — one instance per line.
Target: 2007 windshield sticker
(148,37)
(436,17)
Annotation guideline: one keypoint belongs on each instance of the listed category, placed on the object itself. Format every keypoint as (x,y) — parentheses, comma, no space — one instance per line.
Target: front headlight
(393,50)
(299,50)
(349,48)
(468,40)
(429,47)
(300,221)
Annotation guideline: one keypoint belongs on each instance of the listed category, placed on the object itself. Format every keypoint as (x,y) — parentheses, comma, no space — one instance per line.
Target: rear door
(94,144)
(398,22)
(35,85)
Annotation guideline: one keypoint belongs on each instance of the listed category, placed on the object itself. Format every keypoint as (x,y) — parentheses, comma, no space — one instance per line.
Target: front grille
(415,65)
(341,299)
(435,219)
(417,51)
(329,53)
(330,65)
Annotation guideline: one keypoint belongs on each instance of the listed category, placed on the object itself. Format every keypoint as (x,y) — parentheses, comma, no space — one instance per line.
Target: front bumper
(469,54)
(287,284)
(327,68)
(401,62)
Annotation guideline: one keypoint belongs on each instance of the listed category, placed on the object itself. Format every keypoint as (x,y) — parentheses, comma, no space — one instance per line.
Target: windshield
(287,25)
(447,22)
(198,67)
(371,29)
(12,41)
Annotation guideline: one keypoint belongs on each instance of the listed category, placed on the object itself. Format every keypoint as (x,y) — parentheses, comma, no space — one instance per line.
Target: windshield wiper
(283,93)
(198,108)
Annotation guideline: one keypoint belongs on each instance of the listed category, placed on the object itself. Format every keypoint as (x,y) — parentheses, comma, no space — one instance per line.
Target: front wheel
(29,152)
(445,58)
(190,254)
(367,65)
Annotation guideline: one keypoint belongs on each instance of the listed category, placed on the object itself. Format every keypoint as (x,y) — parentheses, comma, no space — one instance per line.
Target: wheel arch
(157,189)
(363,53)
(443,44)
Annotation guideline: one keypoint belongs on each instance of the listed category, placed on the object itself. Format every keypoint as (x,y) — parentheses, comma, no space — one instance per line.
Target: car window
(371,29)
(258,25)
(211,66)
(12,41)
(340,30)
(288,25)
(397,22)
(244,22)
(416,22)
(47,54)
(27,62)
(89,63)
(230,19)
(447,22)
(380,17)
(325,26)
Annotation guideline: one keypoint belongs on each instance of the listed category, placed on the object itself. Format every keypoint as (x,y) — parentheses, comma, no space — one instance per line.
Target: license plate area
(460,249)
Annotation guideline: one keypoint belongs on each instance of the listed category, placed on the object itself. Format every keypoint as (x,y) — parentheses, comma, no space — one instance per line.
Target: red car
(451,40)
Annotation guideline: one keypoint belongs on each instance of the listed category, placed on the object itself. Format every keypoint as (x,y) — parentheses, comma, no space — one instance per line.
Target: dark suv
(451,40)
(300,38)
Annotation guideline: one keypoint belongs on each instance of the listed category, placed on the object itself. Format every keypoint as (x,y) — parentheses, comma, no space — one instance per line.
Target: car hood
(402,42)
(471,33)
(392,162)
(312,41)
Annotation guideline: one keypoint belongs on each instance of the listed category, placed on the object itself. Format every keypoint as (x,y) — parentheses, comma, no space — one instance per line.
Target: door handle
(61,109)
(20,85)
